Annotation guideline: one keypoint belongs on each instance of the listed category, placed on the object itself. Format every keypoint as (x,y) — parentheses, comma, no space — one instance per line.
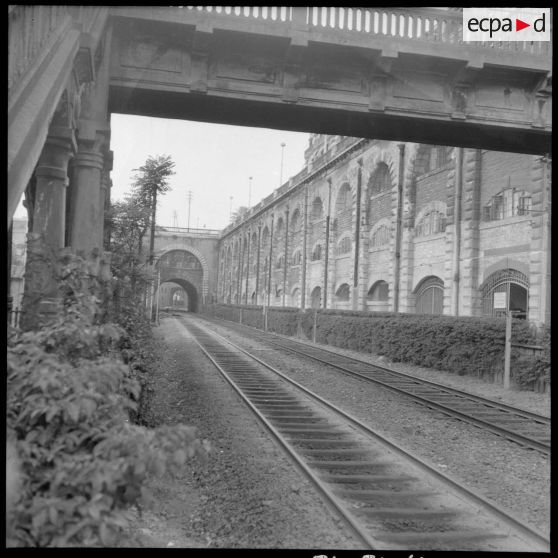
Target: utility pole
(175,219)
(281,172)
(189,205)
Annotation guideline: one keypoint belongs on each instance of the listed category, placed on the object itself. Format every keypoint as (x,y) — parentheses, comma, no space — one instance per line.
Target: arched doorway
(516,286)
(191,299)
(430,296)
(316,298)
(378,296)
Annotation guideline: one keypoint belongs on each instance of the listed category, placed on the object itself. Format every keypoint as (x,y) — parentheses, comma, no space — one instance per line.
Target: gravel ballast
(515,478)
(249,494)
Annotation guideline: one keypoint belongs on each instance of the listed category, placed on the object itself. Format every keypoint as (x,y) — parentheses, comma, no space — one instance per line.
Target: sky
(213,161)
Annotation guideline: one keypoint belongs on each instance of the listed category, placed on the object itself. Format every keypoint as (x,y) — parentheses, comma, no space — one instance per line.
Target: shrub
(460,345)
(79,462)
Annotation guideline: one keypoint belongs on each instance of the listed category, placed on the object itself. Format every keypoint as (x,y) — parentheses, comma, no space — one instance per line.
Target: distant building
(386,226)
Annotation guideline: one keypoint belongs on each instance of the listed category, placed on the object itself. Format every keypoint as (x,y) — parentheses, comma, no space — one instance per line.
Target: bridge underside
(180,64)
(299,118)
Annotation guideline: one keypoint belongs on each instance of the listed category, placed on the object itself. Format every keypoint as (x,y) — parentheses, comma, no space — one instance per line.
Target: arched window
(317,208)
(343,292)
(344,246)
(379,291)
(344,198)
(514,284)
(432,222)
(296,221)
(316,298)
(436,157)
(317,253)
(430,296)
(508,203)
(279,226)
(380,236)
(265,236)
(280,262)
(297,257)
(380,181)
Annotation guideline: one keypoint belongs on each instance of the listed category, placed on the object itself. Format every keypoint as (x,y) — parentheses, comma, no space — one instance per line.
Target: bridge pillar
(87,213)
(49,211)
(47,235)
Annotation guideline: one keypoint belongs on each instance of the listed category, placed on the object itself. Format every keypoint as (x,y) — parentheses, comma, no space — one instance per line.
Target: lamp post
(249,191)
(281,173)
(230,209)
(189,205)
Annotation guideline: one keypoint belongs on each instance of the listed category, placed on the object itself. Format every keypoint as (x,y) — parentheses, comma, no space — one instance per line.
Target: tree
(153,181)
(239,214)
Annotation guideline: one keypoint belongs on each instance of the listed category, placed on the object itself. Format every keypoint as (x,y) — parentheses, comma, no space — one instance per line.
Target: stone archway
(203,287)
(193,296)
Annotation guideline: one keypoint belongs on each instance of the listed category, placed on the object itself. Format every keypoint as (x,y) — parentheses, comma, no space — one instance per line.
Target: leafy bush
(80,462)
(460,345)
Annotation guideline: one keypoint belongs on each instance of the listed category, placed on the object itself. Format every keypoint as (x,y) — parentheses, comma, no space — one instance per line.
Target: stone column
(47,235)
(49,212)
(86,210)
(398,228)
(258,263)
(304,250)
(470,297)
(104,202)
(539,264)
(286,262)
(326,247)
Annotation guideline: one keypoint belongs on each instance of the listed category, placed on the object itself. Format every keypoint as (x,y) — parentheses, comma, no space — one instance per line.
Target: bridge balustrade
(30,28)
(419,24)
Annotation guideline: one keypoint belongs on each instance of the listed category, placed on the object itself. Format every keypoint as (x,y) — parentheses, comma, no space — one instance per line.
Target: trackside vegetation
(458,345)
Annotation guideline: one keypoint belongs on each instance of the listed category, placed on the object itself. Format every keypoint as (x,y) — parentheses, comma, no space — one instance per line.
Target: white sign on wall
(500,302)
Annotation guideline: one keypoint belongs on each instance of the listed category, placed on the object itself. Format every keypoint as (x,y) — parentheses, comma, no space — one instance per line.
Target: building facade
(402,227)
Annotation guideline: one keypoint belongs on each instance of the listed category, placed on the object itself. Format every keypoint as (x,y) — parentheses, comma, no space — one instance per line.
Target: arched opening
(430,296)
(317,208)
(190,296)
(184,268)
(316,298)
(295,297)
(378,296)
(343,296)
(514,284)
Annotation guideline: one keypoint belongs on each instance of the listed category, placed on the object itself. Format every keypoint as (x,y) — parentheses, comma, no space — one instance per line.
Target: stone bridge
(188,257)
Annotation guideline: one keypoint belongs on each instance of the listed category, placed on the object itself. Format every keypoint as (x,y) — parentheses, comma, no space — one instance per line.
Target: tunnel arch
(160,253)
(191,291)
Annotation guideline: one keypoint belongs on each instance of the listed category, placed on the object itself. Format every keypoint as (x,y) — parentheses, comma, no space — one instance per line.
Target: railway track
(527,429)
(388,497)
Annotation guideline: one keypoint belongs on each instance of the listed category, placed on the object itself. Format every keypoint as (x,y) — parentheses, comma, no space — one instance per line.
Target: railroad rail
(530,430)
(389,498)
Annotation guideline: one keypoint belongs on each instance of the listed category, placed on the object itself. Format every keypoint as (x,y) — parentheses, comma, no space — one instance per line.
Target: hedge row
(459,345)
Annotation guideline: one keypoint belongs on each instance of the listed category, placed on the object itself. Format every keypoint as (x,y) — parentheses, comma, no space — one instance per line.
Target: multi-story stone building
(385,226)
